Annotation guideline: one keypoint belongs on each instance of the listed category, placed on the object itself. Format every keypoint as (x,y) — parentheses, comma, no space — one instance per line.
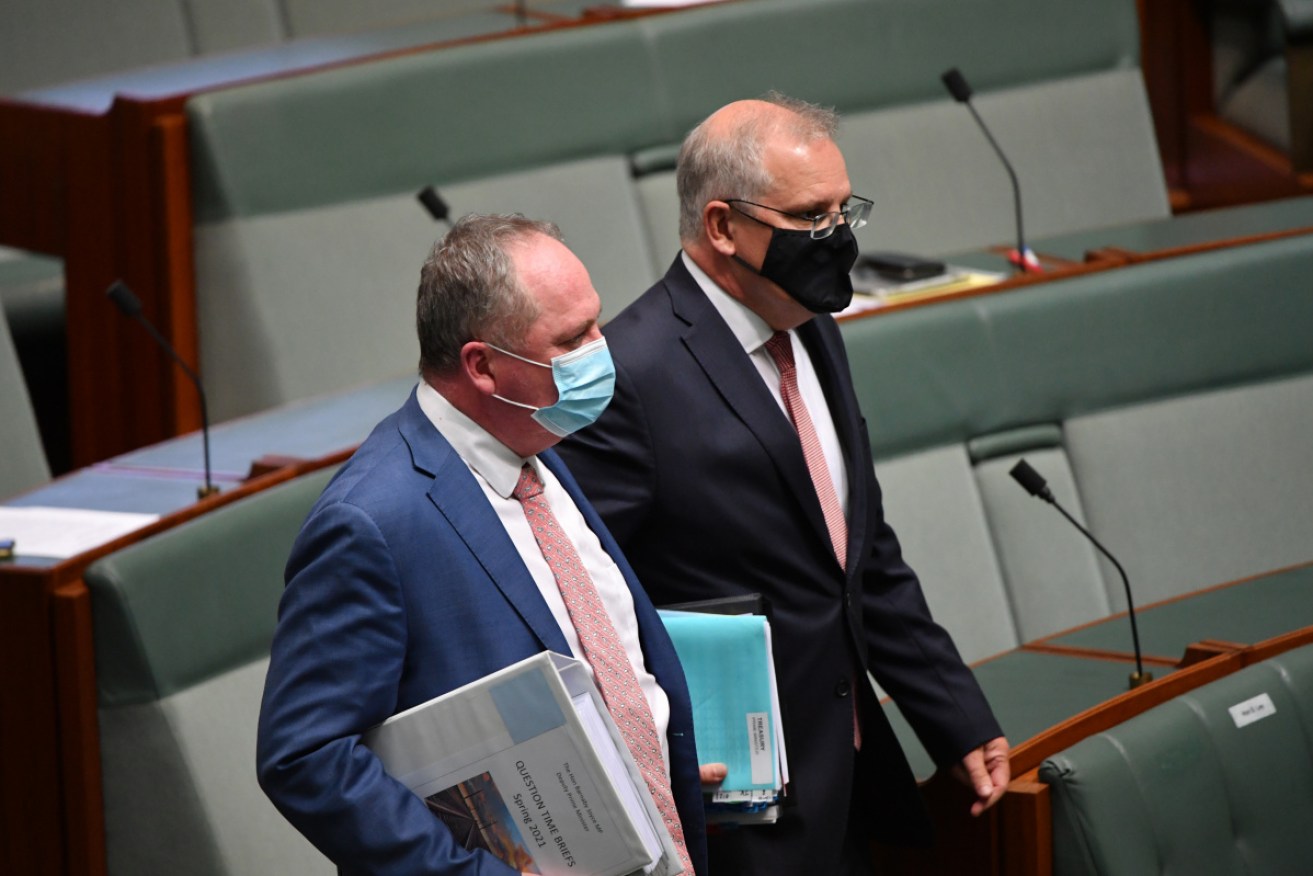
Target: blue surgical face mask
(585,382)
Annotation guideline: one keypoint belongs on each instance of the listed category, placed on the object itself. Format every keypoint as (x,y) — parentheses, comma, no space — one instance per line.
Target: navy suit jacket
(700,476)
(401,586)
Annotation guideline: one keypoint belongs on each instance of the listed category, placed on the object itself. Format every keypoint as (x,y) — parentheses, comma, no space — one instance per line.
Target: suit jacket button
(842,689)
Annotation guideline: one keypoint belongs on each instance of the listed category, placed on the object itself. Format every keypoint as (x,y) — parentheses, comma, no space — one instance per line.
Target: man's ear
(476,366)
(716,225)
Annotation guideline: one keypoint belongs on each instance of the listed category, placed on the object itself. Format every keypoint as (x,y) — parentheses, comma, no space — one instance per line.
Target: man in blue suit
(418,570)
(734,460)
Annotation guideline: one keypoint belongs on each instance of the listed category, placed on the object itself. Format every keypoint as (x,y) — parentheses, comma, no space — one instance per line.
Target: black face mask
(813,272)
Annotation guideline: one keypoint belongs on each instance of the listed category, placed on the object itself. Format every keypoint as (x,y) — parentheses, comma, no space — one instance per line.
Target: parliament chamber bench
(1168,403)
(270,227)
(307,237)
(1218,780)
(183,623)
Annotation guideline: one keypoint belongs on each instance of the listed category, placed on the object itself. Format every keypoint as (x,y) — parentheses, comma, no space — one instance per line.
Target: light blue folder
(727,662)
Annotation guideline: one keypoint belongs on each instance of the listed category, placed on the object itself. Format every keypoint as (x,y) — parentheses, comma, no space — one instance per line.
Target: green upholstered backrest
(23,463)
(310,301)
(1168,404)
(182,625)
(47,41)
(439,117)
(1216,781)
(965,369)
(617,88)
(197,600)
(309,243)
(864,54)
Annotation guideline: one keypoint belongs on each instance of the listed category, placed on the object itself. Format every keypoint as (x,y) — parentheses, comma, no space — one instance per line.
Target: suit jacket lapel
(459,498)
(738,382)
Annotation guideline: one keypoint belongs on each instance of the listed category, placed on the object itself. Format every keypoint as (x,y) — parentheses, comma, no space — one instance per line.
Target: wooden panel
(32,840)
(33,184)
(79,737)
(1026,839)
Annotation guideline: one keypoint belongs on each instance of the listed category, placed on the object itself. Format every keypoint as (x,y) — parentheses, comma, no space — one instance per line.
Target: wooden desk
(1242,613)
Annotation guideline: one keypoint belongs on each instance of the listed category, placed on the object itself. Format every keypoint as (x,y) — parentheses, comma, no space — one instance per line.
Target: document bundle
(527,764)
(730,667)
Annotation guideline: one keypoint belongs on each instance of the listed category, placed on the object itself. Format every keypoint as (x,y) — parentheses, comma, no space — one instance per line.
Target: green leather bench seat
(23,463)
(308,240)
(182,624)
(311,241)
(83,52)
(1058,82)
(1168,404)
(1188,788)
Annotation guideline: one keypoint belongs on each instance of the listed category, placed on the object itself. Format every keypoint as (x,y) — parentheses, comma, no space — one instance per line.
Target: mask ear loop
(517,356)
(502,398)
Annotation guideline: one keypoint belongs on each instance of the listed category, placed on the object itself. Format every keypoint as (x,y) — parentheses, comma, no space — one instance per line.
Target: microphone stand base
(1140,678)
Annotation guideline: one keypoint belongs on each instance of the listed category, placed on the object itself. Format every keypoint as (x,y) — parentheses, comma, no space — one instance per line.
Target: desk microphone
(957,86)
(432,201)
(1035,484)
(130,304)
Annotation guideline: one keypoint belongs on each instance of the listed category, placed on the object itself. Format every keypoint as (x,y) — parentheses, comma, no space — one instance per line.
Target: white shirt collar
(750,329)
(485,455)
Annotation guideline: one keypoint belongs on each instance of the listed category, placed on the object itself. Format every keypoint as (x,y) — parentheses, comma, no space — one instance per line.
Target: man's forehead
(805,168)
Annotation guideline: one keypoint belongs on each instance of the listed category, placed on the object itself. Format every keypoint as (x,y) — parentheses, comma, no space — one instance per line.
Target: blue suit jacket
(401,586)
(700,476)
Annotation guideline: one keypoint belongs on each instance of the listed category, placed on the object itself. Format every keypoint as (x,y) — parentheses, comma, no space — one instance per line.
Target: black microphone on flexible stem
(1032,482)
(437,208)
(130,305)
(957,86)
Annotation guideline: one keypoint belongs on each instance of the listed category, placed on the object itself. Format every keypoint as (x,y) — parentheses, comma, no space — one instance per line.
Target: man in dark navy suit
(422,567)
(734,459)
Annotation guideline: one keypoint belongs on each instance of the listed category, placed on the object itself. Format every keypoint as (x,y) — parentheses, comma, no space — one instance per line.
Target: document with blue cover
(729,663)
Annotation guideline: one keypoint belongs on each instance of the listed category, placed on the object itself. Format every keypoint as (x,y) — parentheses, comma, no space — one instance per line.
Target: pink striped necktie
(780,348)
(603,650)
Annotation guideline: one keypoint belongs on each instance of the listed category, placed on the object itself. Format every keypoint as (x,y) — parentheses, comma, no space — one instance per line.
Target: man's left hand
(987,771)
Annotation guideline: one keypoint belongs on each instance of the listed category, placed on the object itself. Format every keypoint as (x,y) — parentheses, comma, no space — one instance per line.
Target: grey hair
(468,288)
(712,167)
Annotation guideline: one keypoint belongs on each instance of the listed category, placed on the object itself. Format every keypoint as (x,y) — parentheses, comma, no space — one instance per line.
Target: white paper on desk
(39,531)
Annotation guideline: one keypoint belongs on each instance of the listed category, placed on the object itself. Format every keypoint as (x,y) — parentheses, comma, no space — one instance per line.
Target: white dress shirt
(496,468)
(752,333)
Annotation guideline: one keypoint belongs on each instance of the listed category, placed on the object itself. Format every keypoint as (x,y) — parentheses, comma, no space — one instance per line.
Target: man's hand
(986,771)
(712,774)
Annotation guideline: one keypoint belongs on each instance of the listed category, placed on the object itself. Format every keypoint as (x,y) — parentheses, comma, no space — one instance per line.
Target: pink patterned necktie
(603,651)
(780,348)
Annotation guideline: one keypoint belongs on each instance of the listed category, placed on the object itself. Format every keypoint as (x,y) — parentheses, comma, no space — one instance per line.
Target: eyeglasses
(822,224)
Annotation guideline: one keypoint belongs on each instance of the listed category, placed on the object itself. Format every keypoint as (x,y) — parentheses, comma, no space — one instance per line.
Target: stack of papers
(730,667)
(38,531)
(874,291)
